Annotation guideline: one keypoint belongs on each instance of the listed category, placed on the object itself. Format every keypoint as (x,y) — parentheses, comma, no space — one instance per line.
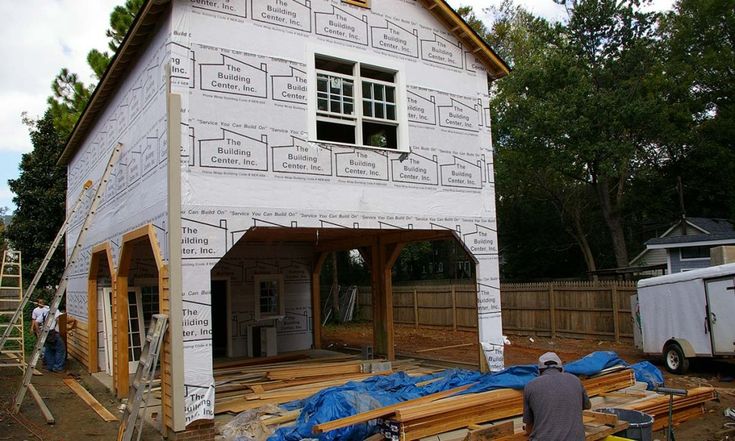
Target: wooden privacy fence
(452,306)
(574,309)
(598,310)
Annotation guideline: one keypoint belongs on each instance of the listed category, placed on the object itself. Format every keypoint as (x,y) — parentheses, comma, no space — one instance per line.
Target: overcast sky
(39,37)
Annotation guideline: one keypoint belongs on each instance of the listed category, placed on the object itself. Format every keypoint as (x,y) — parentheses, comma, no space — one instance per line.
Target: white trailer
(686,315)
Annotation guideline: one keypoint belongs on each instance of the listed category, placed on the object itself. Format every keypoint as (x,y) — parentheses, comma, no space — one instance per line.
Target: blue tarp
(356,397)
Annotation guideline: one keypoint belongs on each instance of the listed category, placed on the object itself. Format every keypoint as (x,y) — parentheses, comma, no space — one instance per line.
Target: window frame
(379,63)
(281,304)
(689,259)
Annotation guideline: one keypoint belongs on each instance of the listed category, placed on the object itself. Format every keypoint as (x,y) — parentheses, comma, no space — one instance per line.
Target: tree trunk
(611,213)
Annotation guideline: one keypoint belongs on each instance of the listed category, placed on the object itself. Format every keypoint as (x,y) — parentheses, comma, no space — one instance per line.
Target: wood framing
(316,307)
(147,235)
(101,255)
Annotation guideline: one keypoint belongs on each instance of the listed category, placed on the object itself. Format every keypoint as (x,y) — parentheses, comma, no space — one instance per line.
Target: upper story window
(691,253)
(359,104)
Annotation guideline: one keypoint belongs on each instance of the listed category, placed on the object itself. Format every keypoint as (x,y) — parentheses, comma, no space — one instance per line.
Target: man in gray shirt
(553,403)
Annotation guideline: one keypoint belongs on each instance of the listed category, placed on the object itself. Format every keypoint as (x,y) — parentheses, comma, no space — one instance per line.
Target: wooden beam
(440,348)
(47,415)
(349,243)
(89,400)
(385,411)
(490,433)
(316,306)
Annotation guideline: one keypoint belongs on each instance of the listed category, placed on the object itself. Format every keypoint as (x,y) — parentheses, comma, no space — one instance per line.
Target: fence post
(454,308)
(415,309)
(615,309)
(552,310)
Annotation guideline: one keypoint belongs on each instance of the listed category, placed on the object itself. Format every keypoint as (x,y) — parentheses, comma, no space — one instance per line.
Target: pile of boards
(264,384)
(246,384)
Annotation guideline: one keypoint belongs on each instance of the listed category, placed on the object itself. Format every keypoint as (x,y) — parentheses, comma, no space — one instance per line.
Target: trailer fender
(683,344)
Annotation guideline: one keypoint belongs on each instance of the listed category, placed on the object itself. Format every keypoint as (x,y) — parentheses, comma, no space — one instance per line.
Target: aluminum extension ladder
(11,296)
(140,389)
(71,261)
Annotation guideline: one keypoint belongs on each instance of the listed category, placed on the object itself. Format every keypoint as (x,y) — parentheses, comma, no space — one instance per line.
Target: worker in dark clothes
(553,403)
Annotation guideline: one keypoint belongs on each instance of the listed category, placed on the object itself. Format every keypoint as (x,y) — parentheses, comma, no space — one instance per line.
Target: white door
(721,302)
(136,328)
(107,326)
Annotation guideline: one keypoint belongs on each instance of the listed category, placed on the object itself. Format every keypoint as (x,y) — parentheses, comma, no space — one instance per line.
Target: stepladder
(133,420)
(12,353)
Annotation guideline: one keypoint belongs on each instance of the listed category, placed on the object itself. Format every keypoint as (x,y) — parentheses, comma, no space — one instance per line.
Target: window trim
(690,259)
(401,99)
(257,279)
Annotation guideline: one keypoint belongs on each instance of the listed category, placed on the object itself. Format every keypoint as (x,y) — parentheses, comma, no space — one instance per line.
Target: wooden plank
(492,432)
(47,415)
(90,400)
(384,411)
(440,348)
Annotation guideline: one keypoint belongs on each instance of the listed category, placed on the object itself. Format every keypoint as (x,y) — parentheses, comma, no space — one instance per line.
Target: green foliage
(121,19)
(39,200)
(68,101)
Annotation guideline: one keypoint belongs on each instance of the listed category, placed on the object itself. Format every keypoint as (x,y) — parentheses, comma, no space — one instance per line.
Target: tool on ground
(11,296)
(140,389)
(61,288)
(671,392)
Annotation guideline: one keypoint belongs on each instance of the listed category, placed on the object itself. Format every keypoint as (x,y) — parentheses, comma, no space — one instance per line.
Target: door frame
(145,234)
(228,284)
(107,296)
(101,255)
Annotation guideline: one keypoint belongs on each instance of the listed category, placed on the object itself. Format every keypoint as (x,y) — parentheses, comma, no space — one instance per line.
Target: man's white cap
(549,359)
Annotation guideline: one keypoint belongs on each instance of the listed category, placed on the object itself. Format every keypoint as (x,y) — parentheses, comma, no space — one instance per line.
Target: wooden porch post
(383,258)
(316,306)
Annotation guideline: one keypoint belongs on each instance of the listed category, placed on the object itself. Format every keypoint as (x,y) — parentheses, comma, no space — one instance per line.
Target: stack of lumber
(415,422)
(250,384)
(685,408)
(597,426)
(443,412)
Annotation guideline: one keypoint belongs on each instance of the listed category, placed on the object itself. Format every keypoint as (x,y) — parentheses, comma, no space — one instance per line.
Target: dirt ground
(525,349)
(75,421)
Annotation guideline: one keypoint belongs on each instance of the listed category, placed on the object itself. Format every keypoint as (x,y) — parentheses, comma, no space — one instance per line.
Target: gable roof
(711,225)
(705,231)
(151,12)
(710,231)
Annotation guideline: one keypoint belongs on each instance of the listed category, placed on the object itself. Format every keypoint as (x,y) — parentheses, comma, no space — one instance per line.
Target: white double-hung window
(357,103)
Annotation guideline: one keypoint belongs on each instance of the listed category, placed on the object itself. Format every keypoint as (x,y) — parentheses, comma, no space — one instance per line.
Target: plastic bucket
(640,424)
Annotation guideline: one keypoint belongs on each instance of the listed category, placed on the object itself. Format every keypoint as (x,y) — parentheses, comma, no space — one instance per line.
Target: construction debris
(339,396)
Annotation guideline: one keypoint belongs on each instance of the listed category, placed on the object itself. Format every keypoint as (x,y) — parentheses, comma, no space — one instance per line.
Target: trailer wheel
(674,359)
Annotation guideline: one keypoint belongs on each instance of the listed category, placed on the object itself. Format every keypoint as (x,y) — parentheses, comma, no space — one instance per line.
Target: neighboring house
(686,245)
(257,137)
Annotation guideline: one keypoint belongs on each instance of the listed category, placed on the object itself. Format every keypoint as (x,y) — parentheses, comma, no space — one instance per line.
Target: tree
(582,109)
(121,19)
(700,59)
(68,101)
(39,200)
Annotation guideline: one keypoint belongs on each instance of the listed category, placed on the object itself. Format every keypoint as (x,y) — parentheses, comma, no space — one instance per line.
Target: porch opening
(268,291)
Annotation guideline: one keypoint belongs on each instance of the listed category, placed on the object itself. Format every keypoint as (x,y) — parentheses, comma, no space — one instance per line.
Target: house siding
(678,265)
(241,70)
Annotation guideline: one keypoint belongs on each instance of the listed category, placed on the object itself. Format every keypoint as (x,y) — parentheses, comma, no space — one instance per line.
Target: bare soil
(526,349)
(75,421)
